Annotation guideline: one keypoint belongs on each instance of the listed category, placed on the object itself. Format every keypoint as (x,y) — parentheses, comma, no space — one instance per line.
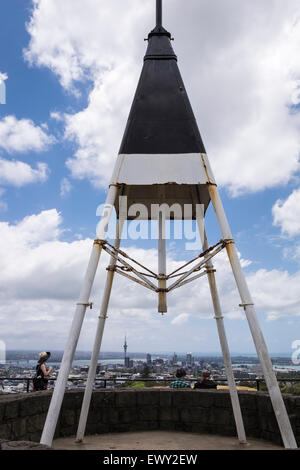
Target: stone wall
(201,411)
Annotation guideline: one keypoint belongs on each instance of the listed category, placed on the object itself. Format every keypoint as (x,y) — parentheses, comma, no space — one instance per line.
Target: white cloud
(65,187)
(18,174)
(3,77)
(95,129)
(239,60)
(3,204)
(33,257)
(286,214)
(22,136)
(90,42)
(85,48)
(56,116)
(180,319)
(242,87)
(276,293)
(41,276)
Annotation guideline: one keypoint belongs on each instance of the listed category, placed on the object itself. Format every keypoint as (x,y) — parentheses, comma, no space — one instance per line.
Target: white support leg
(223,340)
(98,340)
(162,267)
(260,345)
(83,302)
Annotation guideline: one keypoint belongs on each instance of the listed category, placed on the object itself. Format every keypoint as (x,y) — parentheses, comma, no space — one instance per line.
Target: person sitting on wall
(205,381)
(179,382)
(39,381)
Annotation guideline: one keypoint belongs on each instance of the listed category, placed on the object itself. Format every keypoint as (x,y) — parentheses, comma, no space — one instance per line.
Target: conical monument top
(161,120)
(162,144)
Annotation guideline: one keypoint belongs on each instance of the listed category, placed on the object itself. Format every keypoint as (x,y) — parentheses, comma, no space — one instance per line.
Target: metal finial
(159,30)
(159,13)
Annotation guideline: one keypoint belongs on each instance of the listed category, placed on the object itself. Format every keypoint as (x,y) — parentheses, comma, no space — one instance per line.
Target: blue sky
(72,70)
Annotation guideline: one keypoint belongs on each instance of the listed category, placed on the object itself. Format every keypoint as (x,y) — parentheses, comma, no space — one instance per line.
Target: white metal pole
(162,265)
(260,345)
(223,340)
(83,302)
(98,340)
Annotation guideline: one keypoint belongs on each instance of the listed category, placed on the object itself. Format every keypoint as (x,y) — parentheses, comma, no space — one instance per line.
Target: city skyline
(161,352)
(68,95)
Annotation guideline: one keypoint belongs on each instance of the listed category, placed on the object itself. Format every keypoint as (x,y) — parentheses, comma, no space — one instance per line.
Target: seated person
(179,382)
(206,381)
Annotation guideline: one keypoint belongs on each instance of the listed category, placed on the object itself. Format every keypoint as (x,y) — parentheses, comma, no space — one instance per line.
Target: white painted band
(146,169)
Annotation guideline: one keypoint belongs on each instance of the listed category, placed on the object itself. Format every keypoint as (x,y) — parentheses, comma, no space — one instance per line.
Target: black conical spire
(161,119)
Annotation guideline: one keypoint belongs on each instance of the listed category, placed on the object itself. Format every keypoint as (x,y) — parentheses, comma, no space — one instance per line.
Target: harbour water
(76,363)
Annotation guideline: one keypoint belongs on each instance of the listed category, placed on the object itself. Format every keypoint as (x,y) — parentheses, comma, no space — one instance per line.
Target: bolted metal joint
(228,241)
(210,271)
(111,268)
(103,317)
(100,242)
(246,305)
(88,304)
(127,269)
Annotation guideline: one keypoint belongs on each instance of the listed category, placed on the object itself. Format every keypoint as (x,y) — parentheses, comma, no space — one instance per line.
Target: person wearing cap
(40,382)
(180,382)
(206,381)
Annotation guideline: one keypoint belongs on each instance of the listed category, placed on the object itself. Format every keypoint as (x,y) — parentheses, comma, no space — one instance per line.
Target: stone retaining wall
(201,411)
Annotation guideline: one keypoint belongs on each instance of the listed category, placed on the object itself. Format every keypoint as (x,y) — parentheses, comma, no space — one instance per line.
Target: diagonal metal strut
(142,277)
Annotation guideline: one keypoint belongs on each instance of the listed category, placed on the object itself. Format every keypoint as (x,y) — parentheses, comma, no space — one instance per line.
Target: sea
(76,363)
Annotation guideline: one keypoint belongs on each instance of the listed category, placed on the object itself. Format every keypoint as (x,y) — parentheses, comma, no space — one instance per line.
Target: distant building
(158,361)
(127,362)
(148,359)
(240,373)
(189,359)
(257,369)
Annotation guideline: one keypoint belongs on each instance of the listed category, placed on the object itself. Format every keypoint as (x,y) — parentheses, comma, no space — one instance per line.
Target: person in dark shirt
(205,381)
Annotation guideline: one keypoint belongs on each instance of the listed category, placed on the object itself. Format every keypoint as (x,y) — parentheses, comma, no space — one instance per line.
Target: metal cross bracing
(184,277)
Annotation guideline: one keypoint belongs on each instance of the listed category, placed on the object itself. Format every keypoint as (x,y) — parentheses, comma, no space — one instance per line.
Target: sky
(70,70)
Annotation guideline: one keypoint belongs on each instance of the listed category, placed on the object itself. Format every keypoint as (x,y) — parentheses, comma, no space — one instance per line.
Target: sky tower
(125,346)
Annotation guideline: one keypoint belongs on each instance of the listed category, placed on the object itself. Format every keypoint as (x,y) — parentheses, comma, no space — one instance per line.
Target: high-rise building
(189,359)
(149,359)
(127,362)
